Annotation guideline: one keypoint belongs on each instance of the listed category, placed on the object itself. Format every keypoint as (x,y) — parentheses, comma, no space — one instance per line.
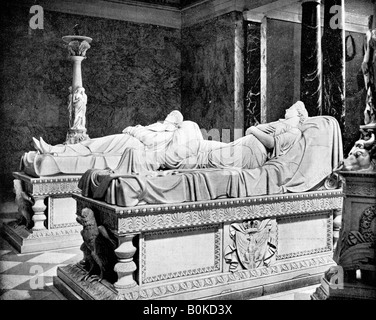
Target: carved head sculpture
(79,95)
(175,118)
(359,159)
(86,218)
(361,156)
(297,109)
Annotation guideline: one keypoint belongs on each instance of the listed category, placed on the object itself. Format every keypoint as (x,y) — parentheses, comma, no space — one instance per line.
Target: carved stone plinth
(355,275)
(188,250)
(52,211)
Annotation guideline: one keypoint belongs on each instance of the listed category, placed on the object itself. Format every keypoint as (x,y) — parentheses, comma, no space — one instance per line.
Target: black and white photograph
(183,156)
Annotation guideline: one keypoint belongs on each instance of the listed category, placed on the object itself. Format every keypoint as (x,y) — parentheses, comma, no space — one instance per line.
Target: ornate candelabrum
(77,47)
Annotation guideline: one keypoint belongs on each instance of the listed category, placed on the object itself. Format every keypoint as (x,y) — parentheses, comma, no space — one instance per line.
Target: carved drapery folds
(254,244)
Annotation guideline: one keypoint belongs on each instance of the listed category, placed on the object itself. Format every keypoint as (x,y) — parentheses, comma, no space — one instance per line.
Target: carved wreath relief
(254,244)
(358,250)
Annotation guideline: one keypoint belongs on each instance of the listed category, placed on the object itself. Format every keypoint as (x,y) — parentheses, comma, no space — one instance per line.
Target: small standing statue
(77,109)
(77,47)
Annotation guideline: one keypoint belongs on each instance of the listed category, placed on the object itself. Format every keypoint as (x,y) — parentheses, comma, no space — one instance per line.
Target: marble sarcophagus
(219,249)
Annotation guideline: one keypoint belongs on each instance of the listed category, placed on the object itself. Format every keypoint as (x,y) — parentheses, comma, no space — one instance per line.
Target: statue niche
(254,244)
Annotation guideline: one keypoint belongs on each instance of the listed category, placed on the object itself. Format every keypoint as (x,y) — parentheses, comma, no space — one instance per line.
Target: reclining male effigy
(180,217)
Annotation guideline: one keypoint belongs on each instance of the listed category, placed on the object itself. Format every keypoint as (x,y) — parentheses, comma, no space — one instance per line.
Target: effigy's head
(174,117)
(297,109)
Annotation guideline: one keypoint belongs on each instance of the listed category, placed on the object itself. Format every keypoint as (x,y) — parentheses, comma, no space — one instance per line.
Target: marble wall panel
(281,63)
(252,74)
(208,66)
(355,91)
(131,76)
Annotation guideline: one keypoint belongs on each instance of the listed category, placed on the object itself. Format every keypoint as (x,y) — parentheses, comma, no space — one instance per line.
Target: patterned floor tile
(28,269)
(52,296)
(4,245)
(2,252)
(51,257)
(25,295)
(11,281)
(56,292)
(6,265)
(51,272)
(19,257)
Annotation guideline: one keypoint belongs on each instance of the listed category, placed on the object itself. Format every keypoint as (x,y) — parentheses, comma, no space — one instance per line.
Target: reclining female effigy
(214,231)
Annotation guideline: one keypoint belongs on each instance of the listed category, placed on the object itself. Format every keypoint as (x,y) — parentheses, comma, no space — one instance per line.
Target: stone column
(333,47)
(77,47)
(39,216)
(311,57)
(337,223)
(125,267)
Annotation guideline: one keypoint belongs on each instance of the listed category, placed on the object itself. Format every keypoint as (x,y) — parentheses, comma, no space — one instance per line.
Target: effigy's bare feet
(46,148)
(37,145)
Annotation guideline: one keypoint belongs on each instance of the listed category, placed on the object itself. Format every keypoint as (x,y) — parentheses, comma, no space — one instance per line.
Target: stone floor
(29,276)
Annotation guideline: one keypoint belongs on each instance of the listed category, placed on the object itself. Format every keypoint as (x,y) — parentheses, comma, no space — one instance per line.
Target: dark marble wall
(208,61)
(281,64)
(131,76)
(252,74)
(282,82)
(355,92)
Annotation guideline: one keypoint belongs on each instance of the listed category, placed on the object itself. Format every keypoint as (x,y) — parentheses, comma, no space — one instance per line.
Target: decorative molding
(54,233)
(137,12)
(329,234)
(365,224)
(353,23)
(172,17)
(221,279)
(364,190)
(144,222)
(53,188)
(190,272)
(325,197)
(49,186)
